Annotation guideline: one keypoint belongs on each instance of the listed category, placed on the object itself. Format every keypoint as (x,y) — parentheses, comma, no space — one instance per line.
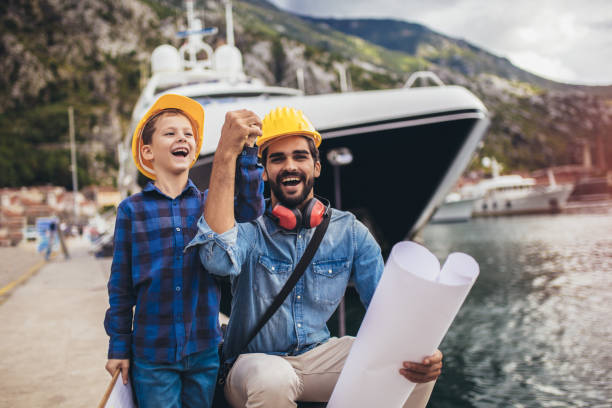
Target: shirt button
(178,229)
(299,324)
(299,236)
(178,288)
(272,268)
(330,271)
(299,297)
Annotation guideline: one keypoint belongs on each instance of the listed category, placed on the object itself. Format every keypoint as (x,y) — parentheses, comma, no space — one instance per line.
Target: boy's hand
(429,370)
(241,127)
(113,364)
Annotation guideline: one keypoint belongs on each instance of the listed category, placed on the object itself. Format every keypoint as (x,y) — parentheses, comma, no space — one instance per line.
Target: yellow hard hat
(285,121)
(192,109)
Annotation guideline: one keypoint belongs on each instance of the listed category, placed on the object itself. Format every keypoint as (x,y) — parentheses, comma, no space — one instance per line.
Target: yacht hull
(454,211)
(400,172)
(545,201)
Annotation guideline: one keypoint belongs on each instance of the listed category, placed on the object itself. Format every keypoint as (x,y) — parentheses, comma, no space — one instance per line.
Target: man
(292,358)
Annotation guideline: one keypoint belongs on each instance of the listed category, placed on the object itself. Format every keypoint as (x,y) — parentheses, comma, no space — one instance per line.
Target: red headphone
(292,218)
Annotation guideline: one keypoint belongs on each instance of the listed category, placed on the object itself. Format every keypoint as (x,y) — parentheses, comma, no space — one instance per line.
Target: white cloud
(563,39)
(547,67)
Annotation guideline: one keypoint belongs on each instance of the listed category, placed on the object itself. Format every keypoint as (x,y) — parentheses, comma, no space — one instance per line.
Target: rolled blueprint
(413,307)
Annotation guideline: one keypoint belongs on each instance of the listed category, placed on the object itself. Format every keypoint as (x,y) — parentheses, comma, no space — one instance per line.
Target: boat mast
(195,44)
(229,23)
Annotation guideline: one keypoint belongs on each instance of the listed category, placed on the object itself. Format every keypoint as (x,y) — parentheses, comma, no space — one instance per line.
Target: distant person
(171,351)
(293,357)
(51,235)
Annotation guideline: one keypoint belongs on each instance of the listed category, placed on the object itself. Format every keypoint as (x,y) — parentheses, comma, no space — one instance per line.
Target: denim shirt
(259,257)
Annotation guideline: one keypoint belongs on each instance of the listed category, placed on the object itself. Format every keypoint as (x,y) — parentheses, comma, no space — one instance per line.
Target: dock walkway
(53,341)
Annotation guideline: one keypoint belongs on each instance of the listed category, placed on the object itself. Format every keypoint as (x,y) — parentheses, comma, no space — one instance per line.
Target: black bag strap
(311,249)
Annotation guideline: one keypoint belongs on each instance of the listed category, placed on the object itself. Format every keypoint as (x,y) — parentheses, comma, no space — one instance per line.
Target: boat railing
(423,77)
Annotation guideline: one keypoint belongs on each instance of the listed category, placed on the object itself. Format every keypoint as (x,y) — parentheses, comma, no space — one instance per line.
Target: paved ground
(53,343)
(15,261)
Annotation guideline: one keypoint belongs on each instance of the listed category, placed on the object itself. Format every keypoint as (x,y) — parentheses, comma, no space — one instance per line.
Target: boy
(170,342)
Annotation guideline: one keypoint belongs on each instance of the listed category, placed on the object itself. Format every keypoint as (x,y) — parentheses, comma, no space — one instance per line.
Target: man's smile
(290,181)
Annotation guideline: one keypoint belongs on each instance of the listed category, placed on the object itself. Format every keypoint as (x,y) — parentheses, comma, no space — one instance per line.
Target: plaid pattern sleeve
(118,320)
(249,200)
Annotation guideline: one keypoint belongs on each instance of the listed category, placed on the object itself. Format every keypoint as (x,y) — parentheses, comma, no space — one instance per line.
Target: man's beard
(295,201)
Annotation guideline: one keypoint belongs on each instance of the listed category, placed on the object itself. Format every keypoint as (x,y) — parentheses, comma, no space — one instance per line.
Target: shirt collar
(190,187)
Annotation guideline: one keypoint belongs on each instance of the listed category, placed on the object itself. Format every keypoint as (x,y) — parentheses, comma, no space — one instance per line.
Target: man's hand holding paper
(428,371)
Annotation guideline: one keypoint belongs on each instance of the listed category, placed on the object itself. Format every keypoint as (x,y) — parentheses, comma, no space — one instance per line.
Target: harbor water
(536,329)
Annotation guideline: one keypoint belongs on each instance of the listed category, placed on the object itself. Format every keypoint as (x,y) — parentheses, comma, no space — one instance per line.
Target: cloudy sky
(564,40)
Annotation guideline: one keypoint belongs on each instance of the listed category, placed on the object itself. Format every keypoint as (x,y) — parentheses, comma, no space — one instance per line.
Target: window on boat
(231,98)
(168,86)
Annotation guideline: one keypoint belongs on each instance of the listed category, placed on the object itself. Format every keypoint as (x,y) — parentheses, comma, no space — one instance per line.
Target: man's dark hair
(314,152)
(149,127)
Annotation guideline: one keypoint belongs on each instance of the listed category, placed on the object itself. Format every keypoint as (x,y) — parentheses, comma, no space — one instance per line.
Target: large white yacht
(389,156)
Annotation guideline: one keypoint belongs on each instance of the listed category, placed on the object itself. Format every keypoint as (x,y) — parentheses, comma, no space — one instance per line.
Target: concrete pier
(53,342)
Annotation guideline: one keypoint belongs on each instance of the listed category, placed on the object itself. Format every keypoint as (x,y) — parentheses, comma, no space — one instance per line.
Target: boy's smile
(173,145)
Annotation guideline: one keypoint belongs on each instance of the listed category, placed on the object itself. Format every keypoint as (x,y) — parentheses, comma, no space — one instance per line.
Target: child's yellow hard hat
(285,121)
(192,109)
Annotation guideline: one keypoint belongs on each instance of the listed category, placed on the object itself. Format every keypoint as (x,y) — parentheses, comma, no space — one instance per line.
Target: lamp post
(73,163)
(337,157)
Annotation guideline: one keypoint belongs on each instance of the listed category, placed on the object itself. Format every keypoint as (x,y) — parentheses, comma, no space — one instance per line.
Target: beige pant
(263,380)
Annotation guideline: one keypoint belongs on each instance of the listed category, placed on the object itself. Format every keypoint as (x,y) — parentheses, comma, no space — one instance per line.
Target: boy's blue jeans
(187,383)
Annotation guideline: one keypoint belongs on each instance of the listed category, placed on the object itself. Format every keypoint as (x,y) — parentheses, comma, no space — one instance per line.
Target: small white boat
(454,209)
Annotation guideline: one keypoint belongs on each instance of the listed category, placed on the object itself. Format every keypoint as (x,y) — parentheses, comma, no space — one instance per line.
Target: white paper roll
(410,312)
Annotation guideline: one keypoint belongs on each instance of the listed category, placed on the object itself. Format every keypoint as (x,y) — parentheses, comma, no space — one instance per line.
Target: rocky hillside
(94,55)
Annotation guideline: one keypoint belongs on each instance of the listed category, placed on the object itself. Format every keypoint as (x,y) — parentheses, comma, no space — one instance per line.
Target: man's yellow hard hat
(285,121)
(192,109)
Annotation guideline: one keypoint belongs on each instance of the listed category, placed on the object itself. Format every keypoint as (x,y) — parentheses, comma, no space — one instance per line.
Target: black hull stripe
(384,125)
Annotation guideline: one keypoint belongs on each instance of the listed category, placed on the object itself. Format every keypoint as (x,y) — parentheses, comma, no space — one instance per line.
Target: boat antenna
(229,22)
(195,44)
(495,168)
(299,73)
(341,68)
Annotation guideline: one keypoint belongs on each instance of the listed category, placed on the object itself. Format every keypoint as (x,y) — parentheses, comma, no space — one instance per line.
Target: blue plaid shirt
(177,301)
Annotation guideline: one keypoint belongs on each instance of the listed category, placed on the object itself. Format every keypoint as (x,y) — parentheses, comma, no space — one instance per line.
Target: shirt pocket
(330,280)
(270,276)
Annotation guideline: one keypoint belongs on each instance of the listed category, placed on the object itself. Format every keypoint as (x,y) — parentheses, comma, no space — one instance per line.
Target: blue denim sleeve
(121,299)
(223,254)
(249,187)
(368,263)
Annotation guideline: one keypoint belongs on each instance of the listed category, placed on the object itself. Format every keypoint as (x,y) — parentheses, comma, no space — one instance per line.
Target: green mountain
(94,55)
(455,54)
